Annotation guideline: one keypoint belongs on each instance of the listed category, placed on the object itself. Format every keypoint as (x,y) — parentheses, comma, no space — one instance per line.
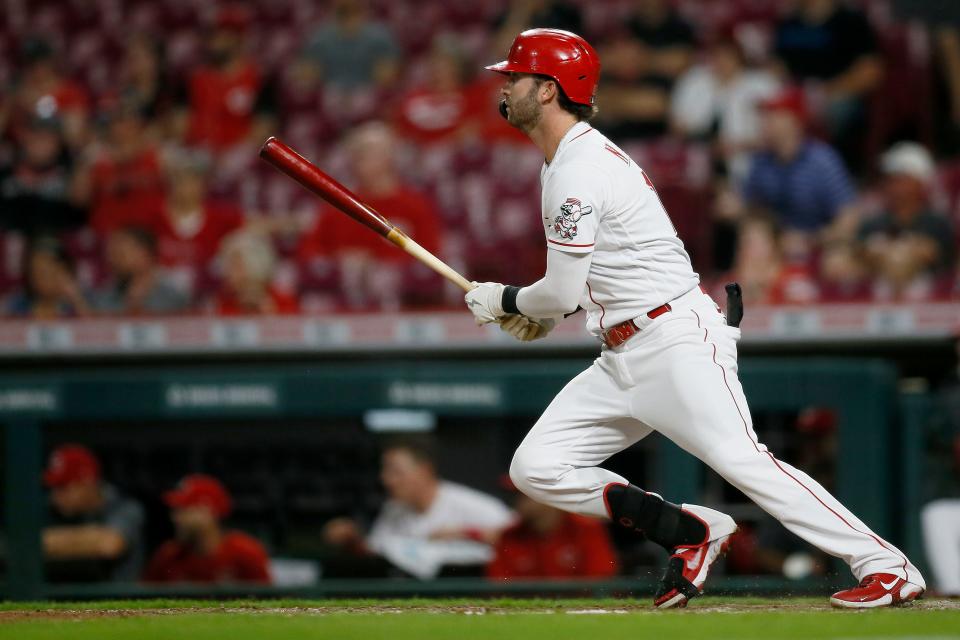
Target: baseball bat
(291,163)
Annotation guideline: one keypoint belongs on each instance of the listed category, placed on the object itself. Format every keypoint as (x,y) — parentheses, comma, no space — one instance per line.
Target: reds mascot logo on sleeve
(571,211)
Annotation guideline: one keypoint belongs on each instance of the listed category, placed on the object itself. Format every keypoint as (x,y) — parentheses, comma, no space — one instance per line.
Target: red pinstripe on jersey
(564,244)
(603,311)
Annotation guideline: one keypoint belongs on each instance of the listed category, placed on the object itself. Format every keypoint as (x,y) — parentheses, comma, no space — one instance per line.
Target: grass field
(710,618)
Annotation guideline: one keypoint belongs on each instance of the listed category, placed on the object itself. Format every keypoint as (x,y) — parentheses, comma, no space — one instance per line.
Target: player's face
(235,270)
(46,274)
(187,187)
(403,476)
(520,97)
(71,499)
(188,521)
(779,127)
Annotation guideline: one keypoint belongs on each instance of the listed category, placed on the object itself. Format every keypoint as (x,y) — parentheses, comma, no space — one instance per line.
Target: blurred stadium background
(213,384)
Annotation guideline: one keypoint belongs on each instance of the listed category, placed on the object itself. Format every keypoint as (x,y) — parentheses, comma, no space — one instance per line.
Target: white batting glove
(484,301)
(526,329)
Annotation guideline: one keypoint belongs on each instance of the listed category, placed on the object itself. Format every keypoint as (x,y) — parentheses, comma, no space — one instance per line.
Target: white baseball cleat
(689,566)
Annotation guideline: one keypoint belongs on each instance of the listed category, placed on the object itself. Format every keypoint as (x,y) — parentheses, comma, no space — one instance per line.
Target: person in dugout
(94,532)
(202,550)
(546,542)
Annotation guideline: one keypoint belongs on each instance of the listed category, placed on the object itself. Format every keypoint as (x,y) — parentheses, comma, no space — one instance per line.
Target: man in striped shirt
(802,182)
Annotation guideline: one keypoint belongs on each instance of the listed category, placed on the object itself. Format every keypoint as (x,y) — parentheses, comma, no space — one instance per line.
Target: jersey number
(649,182)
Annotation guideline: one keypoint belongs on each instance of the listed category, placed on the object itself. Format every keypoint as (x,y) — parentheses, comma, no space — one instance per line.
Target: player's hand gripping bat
(311,177)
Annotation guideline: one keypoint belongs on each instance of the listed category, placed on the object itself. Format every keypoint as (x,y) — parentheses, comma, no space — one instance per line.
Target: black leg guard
(648,514)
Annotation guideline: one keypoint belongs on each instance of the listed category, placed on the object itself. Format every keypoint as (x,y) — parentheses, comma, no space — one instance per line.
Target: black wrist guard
(509,300)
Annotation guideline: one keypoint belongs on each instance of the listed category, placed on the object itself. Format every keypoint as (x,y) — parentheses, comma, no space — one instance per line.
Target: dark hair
(421,448)
(583,112)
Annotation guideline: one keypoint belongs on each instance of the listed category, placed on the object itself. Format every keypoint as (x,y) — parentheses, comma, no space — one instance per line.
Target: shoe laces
(869,580)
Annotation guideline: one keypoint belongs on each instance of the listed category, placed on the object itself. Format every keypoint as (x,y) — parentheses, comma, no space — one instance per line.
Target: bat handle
(409,245)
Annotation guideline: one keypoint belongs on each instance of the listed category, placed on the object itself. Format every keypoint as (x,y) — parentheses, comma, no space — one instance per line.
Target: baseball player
(668,359)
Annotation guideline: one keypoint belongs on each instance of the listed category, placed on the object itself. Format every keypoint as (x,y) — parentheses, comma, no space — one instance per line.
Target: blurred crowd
(806,148)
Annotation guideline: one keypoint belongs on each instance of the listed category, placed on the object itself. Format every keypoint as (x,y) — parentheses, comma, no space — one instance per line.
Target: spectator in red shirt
(227,100)
(123,184)
(192,225)
(202,550)
(374,273)
(549,543)
(41,90)
(248,262)
(447,106)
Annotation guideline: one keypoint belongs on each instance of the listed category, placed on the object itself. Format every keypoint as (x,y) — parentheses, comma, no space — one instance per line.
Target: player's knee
(519,470)
(530,472)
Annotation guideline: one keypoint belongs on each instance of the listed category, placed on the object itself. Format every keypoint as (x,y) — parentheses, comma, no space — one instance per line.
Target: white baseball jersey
(402,535)
(596,199)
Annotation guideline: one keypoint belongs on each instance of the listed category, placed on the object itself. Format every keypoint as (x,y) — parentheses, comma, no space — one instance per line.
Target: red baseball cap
(817,421)
(198,490)
(790,99)
(71,463)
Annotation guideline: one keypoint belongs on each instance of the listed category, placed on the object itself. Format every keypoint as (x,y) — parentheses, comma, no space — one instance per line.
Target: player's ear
(548,91)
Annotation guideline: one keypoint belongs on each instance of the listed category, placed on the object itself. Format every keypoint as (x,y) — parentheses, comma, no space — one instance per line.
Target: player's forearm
(83,541)
(541,300)
(557,293)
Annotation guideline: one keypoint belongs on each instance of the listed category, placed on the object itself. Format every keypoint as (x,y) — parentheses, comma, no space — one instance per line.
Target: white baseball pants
(678,376)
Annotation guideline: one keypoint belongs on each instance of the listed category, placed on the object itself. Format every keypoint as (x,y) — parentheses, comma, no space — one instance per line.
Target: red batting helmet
(561,55)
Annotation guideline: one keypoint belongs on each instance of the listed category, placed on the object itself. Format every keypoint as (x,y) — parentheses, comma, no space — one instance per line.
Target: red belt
(620,333)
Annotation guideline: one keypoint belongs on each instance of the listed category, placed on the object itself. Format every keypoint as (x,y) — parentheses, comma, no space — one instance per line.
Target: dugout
(481,408)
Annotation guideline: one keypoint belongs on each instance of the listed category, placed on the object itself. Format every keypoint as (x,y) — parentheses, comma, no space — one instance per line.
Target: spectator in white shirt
(720,96)
(427,523)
